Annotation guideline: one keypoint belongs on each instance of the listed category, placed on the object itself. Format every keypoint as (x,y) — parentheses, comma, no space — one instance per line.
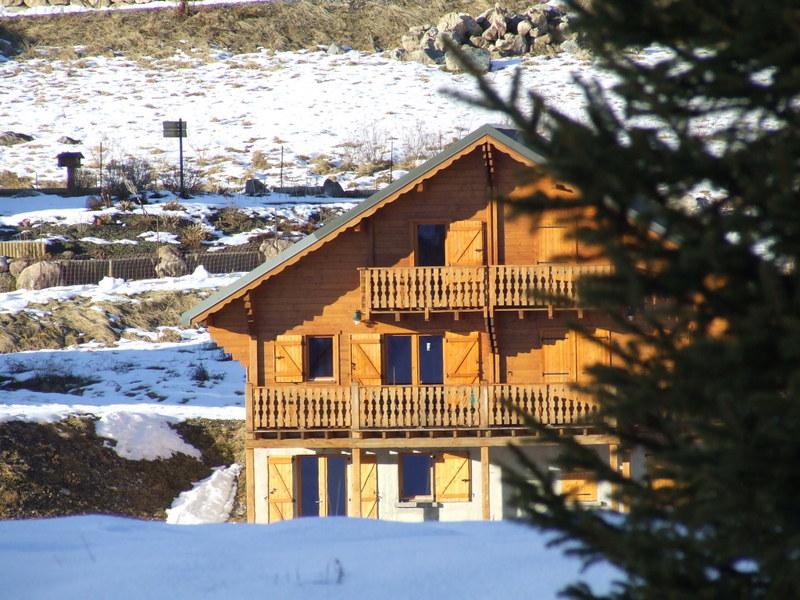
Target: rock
(542,45)
(511,45)
(570,46)
(479,42)
(41,275)
(59,2)
(273,246)
(427,57)
(3,264)
(170,263)
(524,28)
(332,189)
(428,40)
(410,42)
(254,187)
(480,58)
(399,54)
(35,3)
(7,283)
(18,265)
(68,140)
(12,3)
(334,49)
(10,138)
(460,26)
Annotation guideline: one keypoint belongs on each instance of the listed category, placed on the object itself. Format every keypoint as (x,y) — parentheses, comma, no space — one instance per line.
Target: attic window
(320,357)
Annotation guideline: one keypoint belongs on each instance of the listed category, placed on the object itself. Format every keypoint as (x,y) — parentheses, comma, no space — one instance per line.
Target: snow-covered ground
(105,557)
(307,102)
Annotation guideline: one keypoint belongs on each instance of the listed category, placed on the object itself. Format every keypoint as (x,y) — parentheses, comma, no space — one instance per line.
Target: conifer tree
(707,379)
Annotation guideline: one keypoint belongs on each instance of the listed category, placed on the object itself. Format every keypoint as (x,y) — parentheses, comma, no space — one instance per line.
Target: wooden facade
(353,341)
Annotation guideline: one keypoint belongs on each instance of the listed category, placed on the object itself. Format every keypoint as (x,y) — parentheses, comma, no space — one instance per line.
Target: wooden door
(451,475)
(558,357)
(369,487)
(365,353)
(593,350)
(465,244)
(289,359)
(462,358)
(281,488)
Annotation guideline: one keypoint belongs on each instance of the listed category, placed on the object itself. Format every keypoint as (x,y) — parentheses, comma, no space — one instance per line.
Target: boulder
(170,263)
(7,283)
(18,265)
(35,3)
(273,246)
(428,40)
(332,188)
(335,49)
(427,57)
(524,28)
(12,3)
(496,18)
(68,140)
(254,187)
(459,26)
(542,45)
(410,41)
(479,42)
(11,138)
(3,264)
(480,58)
(511,45)
(41,275)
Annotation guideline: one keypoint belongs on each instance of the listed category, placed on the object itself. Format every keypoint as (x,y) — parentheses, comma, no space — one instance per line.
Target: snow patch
(142,436)
(209,501)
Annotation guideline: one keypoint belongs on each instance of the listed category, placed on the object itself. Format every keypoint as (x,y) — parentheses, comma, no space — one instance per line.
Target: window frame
(334,378)
(415,356)
(401,482)
(415,251)
(433,457)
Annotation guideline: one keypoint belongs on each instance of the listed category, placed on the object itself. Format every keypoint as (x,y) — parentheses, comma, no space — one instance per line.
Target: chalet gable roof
(505,139)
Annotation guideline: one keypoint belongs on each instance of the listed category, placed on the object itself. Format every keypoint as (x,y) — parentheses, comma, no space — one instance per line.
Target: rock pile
(498,32)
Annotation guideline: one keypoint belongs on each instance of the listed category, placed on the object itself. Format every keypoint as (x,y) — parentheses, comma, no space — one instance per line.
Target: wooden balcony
(415,408)
(438,289)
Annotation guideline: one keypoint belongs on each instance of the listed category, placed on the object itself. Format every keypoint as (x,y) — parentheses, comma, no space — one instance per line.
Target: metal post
(391,159)
(180,153)
(281,186)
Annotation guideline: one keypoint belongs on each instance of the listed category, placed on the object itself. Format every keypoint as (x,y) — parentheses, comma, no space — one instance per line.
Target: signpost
(177,129)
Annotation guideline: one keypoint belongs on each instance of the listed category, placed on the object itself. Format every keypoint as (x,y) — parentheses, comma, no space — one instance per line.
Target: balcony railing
(419,289)
(409,407)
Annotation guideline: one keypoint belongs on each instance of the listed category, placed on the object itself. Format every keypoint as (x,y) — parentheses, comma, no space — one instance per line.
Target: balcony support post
(485,487)
(484,407)
(355,483)
(355,407)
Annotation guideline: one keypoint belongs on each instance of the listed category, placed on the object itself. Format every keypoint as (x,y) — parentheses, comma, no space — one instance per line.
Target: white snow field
(307,102)
(104,557)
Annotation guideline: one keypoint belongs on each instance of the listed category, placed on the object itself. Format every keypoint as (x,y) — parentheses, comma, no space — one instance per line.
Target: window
(398,360)
(320,357)
(430,245)
(444,477)
(415,476)
(431,369)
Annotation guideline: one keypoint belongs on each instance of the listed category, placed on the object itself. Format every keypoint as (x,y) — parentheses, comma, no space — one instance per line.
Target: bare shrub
(192,237)
(193,180)
(131,176)
(259,160)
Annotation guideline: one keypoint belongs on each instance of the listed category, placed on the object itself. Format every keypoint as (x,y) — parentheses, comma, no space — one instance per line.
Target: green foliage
(706,382)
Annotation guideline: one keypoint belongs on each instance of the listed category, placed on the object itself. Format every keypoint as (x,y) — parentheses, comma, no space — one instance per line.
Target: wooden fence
(23,249)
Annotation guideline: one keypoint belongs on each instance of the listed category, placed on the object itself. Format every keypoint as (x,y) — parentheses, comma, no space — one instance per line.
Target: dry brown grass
(238,28)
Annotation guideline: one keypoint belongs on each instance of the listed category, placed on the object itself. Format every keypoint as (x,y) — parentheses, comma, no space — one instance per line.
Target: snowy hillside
(327,112)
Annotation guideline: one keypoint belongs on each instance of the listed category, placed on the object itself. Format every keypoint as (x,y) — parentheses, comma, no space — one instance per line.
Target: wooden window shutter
(365,353)
(593,350)
(280,478)
(465,245)
(579,487)
(289,359)
(553,244)
(451,475)
(558,357)
(462,358)
(369,487)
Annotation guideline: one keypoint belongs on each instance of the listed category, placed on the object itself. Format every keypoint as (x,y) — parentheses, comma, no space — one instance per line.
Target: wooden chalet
(383,351)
